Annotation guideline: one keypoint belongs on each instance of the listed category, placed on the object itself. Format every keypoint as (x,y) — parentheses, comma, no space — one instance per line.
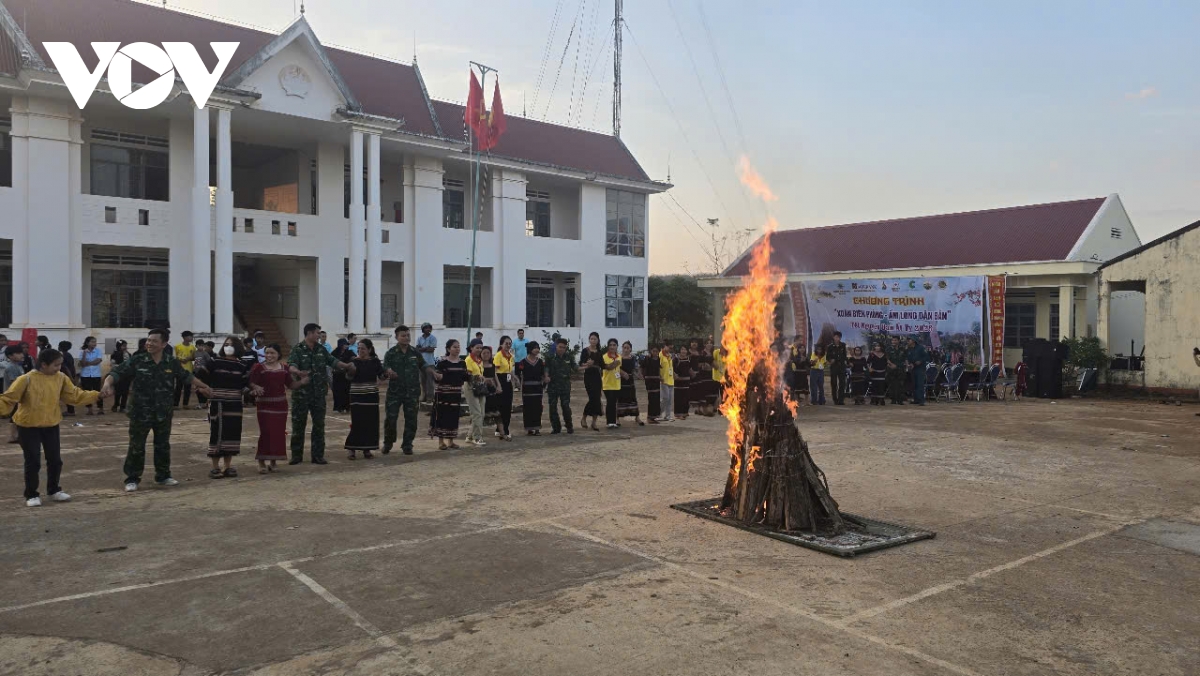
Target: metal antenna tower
(618,22)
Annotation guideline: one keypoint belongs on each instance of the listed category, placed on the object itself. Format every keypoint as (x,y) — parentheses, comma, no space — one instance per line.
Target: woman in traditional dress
(704,388)
(858,376)
(590,361)
(118,357)
(533,383)
(627,403)
(449,373)
(229,379)
(652,375)
(365,372)
(799,368)
(270,381)
(340,383)
(491,407)
(683,380)
(504,400)
(877,366)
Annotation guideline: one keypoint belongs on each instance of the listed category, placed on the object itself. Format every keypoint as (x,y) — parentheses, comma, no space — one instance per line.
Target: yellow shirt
(503,364)
(186,354)
(39,394)
(473,368)
(666,370)
(718,366)
(611,378)
(817,362)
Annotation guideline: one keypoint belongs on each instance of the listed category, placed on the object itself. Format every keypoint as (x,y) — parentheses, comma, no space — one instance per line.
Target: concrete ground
(1067,544)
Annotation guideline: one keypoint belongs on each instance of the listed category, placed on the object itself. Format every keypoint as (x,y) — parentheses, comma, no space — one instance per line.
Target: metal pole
(618,21)
(483,71)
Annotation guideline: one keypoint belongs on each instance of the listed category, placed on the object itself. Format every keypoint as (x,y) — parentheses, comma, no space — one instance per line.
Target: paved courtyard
(1067,544)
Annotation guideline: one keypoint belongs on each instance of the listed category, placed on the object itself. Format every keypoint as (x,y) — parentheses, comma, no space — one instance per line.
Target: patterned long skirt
(272,428)
(627,403)
(224,424)
(531,405)
(447,406)
(364,418)
(682,394)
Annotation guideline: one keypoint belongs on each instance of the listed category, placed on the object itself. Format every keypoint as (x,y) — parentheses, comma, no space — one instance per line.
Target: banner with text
(996,289)
(942,313)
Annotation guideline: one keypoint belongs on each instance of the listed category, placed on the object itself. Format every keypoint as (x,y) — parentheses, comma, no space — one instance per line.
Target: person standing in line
(90,358)
(858,376)
(43,343)
(404,368)
(521,348)
(270,381)
(651,373)
(533,382)
(260,347)
(152,375)
(504,361)
(228,376)
(816,376)
(476,392)
(682,368)
(917,358)
(185,354)
(38,394)
(28,352)
(68,368)
(118,357)
(897,362)
(365,372)
(324,341)
(427,345)
(310,359)
(666,371)
(560,365)
(491,405)
(14,360)
(836,361)
(590,360)
(611,382)
(799,368)
(877,371)
(340,383)
(205,353)
(450,374)
(352,343)
(627,403)
(718,374)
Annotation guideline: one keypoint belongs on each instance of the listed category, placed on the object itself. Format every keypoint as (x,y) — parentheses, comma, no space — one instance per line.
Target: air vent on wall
(131,139)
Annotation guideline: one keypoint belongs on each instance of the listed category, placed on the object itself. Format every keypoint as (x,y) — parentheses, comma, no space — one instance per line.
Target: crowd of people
(42,385)
(894,372)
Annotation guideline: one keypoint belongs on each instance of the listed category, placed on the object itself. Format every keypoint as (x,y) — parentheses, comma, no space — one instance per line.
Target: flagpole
(483,71)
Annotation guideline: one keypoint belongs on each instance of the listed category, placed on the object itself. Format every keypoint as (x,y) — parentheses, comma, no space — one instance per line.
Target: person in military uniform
(918,358)
(559,366)
(404,368)
(152,375)
(309,363)
(836,362)
(897,370)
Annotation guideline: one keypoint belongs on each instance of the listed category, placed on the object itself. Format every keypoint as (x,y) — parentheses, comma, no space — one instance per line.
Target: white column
(374,239)
(357,236)
(74,191)
(201,240)
(1066,303)
(410,268)
(223,262)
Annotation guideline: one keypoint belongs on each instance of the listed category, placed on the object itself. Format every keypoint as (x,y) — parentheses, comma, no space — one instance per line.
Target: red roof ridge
(509,115)
(973,212)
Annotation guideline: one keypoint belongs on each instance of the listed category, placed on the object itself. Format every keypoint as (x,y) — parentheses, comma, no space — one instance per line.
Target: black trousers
(610,406)
(121,394)
(837,383)
(183,392)
(35,441)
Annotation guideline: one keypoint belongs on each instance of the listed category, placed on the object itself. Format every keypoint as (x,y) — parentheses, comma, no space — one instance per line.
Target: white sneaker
(612,426)
(61,496)
(33,502)
(478,442)
(130,487)
(167,482)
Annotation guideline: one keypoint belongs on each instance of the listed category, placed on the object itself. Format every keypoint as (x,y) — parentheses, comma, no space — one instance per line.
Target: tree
(679,308)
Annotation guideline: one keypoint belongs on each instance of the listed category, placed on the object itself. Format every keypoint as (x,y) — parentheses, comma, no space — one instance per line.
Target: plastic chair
(950,387)
(987,380)
(932,372)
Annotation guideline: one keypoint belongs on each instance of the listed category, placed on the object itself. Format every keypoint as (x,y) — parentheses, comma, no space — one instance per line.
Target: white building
(244,215)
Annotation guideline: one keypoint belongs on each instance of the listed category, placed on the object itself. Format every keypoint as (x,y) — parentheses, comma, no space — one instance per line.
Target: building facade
(317,184)
(1048,253)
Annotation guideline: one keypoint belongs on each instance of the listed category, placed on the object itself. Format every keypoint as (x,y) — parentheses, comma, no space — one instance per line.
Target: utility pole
(618,23)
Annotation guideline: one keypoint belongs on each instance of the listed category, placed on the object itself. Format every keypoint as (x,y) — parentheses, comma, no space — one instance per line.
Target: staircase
(253,317)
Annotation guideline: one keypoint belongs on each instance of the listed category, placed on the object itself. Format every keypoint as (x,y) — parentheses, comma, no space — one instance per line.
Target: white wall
(1098,244)
(321,99)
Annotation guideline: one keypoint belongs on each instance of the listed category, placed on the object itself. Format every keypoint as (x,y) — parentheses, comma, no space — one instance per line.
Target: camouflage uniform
(896,376)
(404,391)
(151,409)
(559,390)
(316,362)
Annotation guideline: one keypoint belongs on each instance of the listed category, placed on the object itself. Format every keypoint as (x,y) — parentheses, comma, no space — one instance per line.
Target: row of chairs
(950,387)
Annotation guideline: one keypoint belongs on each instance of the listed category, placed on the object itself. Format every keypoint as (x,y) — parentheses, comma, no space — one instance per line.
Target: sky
(851,111)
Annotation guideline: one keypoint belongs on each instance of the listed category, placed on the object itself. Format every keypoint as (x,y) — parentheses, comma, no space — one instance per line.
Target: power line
(600,96)
(588,78)
(575,71)
(682,130)
(587,58)
(712,46)
(562,59)
(681,221)
(546,51)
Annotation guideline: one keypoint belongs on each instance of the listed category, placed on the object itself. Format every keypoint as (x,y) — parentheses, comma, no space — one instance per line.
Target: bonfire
(773,481)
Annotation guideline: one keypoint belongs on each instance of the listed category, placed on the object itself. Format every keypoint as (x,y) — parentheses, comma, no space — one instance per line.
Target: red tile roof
(1042,232)
(383,87)
(551,144)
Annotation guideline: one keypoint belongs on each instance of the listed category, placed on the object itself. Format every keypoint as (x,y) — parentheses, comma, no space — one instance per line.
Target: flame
(749,326)
(752,180)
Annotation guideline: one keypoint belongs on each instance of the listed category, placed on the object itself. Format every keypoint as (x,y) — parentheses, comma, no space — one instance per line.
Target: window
(248,225)
(454,298)
(1115,233)
(1020,324)
(569,319)
(134,293)
(539,301)
(346,188)
(624,301)
(136,173)
(291,228)
(1054,317)
(274,227)
(143,217)
(5,154)
(626,224)
(313,187)
(110,214)
(453,208)
(387,236)
(537,214)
